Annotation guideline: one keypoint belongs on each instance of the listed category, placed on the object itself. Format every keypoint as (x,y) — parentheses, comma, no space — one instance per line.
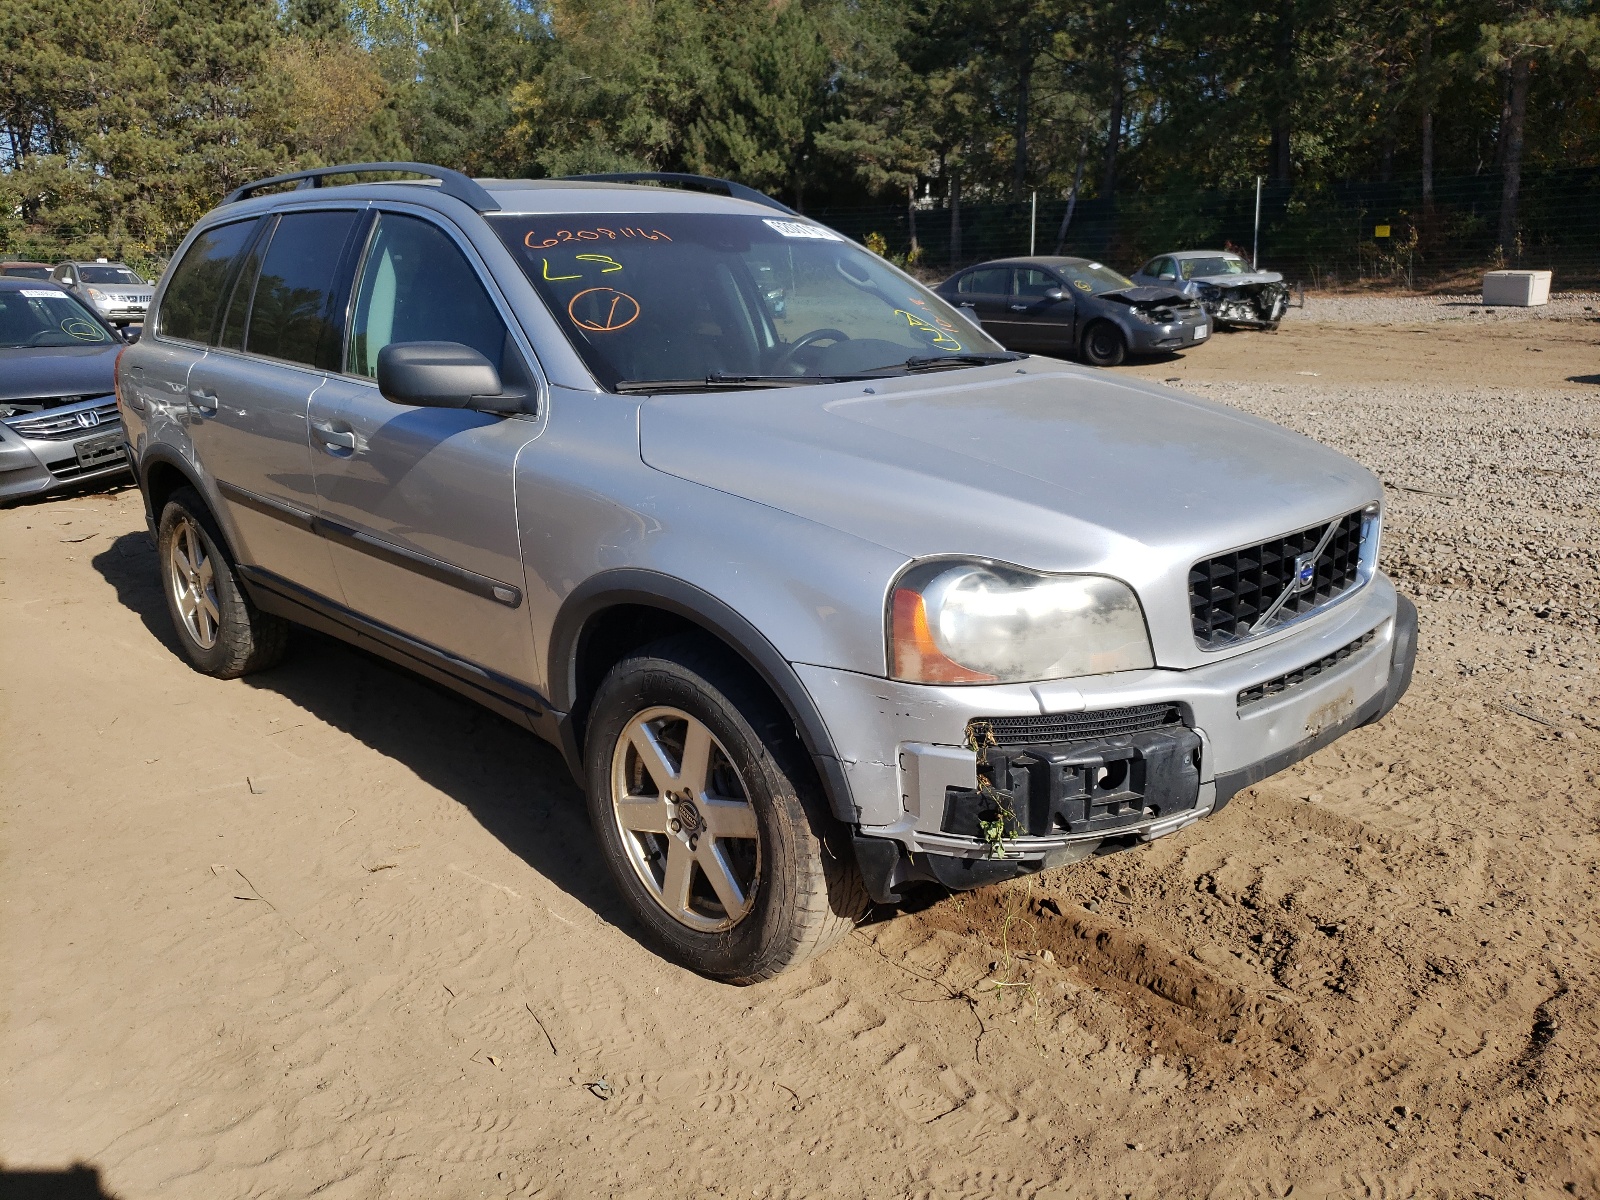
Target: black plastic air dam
(1107,785)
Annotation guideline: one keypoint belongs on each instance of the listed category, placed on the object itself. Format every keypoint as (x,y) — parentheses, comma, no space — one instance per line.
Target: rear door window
(294,314)
(244,287)
(417,286)
(992,281)
(189,307)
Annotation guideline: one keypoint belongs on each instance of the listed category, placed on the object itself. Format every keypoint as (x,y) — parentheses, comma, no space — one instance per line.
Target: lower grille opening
(1070,727)
(1297,678)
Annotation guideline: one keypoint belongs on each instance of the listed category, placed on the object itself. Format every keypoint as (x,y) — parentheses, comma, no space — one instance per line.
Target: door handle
(203,401)
(335,437)
(1019,308)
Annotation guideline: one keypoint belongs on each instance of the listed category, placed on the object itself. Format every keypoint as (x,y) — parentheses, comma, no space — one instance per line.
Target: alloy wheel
(194,584)
(687,826)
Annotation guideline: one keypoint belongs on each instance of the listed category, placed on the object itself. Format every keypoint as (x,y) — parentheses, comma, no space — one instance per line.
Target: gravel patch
(1492,518)
(1406,310)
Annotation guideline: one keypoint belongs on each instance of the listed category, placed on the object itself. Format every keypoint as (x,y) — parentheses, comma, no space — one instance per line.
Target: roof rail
(451,183)
(697,183)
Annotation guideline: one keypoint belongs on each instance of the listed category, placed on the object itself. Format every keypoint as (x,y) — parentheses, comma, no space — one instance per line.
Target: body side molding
(437,569)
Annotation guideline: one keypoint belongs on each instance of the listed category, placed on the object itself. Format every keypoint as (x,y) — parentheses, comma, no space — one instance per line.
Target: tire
(1104,345)
(752,875)
(220,631)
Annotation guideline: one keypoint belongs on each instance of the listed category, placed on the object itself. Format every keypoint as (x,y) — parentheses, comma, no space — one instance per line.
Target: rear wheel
(221,632)
(710,817)
(1104,345)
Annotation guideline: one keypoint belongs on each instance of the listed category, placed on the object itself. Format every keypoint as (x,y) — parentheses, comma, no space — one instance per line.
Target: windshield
(109,275)
(16,272)
(1094,278)
(46,317)
(1205,267)
(714,297)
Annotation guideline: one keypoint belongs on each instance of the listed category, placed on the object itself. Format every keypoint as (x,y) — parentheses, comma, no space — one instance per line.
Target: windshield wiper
(719,382)
(932,362)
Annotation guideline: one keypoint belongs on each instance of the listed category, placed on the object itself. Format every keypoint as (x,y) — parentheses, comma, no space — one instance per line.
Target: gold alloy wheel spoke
(720,876)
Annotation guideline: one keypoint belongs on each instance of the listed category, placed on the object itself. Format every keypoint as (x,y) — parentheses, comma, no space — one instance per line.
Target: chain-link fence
(1336,235)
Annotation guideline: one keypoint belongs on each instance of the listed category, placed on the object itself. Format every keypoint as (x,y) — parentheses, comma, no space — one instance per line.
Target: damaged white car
(1232,293)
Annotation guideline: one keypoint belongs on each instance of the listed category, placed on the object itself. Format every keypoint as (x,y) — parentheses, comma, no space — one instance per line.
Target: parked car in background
(1073,306)
(24,270)
(1233,294)
(114,290)
(58,410)
(813,606)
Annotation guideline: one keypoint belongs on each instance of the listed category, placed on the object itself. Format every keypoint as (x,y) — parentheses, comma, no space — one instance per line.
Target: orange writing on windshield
(603,310)
(533,242)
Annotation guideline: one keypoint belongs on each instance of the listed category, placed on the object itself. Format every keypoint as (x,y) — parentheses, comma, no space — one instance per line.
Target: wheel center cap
(689,819)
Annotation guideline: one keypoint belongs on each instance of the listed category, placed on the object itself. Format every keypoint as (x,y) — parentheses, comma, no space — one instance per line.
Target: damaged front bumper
(1245,305)
(1141,756)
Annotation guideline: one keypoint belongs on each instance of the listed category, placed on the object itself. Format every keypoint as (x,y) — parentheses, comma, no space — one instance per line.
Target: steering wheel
(36,339)
(810,339)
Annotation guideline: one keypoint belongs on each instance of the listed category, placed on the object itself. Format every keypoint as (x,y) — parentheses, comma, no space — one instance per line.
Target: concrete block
(1516,289)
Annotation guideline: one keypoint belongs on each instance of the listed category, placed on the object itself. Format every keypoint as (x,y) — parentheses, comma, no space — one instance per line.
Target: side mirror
(441,375)
(131,335)
(1055,295)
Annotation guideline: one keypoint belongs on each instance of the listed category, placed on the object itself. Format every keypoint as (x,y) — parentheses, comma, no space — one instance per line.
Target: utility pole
(1033,226)
(1255,243)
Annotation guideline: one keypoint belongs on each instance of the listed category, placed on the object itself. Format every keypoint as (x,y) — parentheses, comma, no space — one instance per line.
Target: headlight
(97,295)
(968,622)
(1143,315)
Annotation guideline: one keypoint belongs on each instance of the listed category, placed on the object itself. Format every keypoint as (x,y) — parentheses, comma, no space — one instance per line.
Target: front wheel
(1104,345)
(710,818)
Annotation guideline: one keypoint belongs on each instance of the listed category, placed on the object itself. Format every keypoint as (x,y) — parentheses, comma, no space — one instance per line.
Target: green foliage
(120,123)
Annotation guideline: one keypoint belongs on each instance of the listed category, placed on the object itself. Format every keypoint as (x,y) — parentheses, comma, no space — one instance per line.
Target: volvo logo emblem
(1305,572)
(89,418)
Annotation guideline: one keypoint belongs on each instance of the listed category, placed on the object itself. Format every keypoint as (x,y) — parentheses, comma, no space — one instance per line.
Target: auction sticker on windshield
(798,229)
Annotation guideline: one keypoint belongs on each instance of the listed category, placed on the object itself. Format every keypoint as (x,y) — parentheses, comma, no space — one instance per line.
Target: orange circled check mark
(608,311)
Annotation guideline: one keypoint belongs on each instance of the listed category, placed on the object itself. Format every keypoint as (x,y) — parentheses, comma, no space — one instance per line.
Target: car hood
(1144,297)
(1232,281)
(46,372)
(1048,466)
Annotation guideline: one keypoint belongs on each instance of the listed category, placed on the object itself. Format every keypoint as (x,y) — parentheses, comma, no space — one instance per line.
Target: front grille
(71,468)
(1070,727)
(1229,594)
(1293,679)
(58,424)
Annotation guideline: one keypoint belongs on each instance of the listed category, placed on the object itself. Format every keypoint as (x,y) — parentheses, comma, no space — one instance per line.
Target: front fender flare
(652,589)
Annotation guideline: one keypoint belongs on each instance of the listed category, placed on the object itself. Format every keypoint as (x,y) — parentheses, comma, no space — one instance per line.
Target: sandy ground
(330,931)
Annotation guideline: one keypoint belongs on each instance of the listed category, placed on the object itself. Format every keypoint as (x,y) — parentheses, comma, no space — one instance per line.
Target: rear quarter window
(189,307)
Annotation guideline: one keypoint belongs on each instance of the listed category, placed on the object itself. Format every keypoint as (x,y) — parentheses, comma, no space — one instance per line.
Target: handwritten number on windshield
(532,241)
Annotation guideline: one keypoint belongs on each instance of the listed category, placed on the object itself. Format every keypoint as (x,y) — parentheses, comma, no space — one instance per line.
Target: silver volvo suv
(818,590)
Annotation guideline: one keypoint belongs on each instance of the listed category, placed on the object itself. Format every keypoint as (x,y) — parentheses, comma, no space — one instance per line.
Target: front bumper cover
(1162,803)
